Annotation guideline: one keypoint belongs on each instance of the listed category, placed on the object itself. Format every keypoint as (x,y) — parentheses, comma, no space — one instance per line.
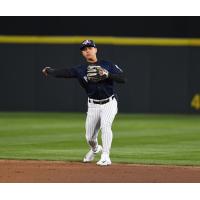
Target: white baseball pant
(100,116)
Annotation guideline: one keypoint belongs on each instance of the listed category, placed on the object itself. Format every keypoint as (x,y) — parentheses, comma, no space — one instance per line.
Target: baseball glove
(96,73)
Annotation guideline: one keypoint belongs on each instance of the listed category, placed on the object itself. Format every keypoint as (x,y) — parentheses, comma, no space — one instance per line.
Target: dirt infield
(12,171)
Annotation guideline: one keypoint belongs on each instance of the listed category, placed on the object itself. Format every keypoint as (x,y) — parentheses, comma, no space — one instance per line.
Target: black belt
(101,101)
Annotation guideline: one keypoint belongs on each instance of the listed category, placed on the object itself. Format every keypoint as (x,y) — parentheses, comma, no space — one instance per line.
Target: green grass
(144,139)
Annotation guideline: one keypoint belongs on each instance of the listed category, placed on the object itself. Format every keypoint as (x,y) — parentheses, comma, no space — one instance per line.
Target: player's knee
(106,128)
(106,125)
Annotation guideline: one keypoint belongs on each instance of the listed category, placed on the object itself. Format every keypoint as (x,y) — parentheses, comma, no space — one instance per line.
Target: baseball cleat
(104,161)
(91,154)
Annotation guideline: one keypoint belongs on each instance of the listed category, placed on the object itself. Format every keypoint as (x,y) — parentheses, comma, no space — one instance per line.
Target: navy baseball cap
(87,43)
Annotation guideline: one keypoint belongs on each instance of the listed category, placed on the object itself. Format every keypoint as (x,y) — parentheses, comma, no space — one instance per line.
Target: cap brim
(81,48)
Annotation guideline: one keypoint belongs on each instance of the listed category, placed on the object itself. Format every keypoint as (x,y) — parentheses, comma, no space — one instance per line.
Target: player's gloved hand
(46,70)
(96,73)
(103,72)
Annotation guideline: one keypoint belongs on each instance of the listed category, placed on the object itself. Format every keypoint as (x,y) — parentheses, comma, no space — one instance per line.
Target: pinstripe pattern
(100,117)
(107,116)
(92,126)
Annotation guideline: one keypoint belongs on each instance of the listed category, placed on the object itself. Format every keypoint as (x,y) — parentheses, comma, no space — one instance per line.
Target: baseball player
(97,77)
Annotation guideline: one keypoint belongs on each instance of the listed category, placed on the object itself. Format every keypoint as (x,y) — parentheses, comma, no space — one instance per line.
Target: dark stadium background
(160,79)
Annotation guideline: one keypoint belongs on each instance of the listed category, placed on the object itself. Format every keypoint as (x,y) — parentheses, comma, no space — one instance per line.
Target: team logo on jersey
(118,68)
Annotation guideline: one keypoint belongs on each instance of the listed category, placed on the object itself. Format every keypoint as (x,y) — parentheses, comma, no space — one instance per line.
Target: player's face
(89,53)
